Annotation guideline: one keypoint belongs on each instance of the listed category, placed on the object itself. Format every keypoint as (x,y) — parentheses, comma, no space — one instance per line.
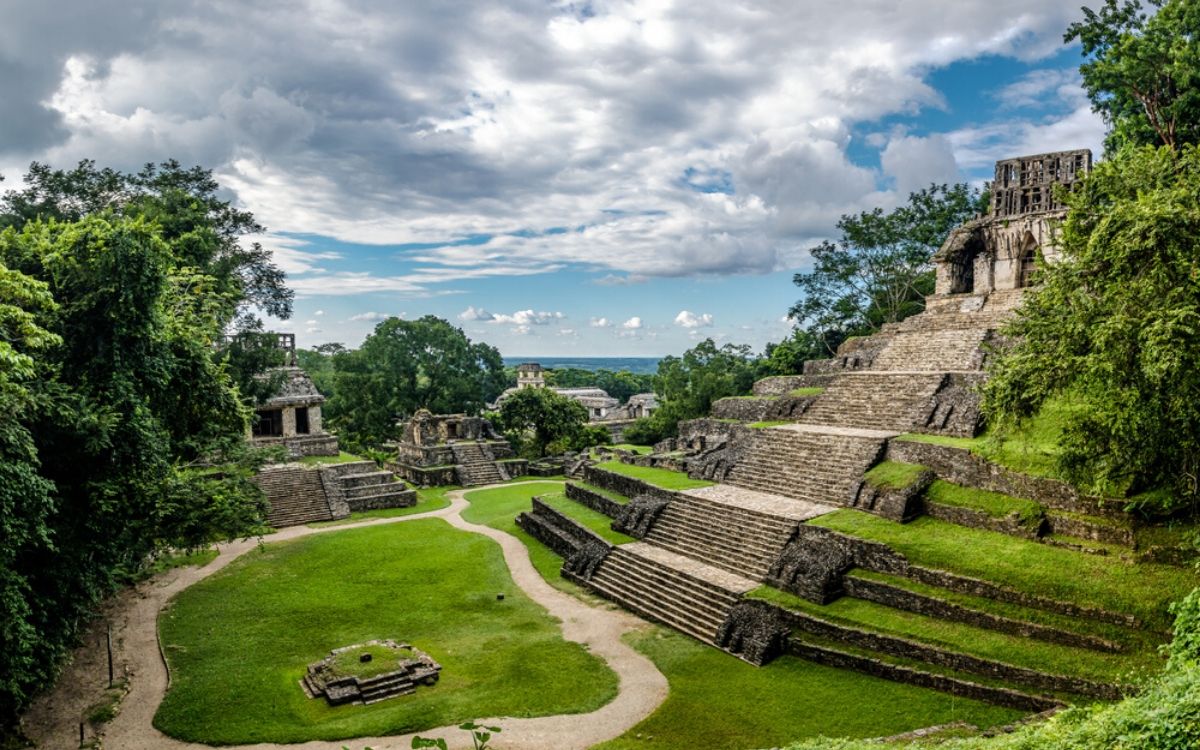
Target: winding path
(642,688)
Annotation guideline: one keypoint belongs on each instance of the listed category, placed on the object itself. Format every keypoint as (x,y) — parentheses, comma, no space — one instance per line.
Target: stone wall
(742,409)
(593,500)
(623,485)
(960,466)
(909,601)
(907,649)
(435,476)
(302,445)
(782,385)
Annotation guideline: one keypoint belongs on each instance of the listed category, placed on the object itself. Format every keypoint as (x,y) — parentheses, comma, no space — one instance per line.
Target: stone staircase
(892,401)
(743,542)
(366,487)
(662,586)
(296,494)
(807,463)
(476,465)
(940,350)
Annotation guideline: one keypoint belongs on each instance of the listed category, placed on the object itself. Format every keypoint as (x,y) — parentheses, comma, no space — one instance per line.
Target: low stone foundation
(431,476)
(901,504)
(594,500)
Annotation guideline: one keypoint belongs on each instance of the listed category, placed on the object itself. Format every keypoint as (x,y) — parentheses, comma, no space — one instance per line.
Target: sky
(557,178)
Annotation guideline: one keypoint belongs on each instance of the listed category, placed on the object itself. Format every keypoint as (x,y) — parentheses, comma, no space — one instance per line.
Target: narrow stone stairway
(476,466)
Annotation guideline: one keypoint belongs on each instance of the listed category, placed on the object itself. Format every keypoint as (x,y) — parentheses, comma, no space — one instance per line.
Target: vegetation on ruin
(498,507)
(1144,589)
(619,499)
(664,478)
(1112,326)
(1162,716)
(341,458)
(893,475)
(115,290)
(1121,668)
(718,701)
(421,582)
(428,499)
(880,268)
(995,504)
(540,421)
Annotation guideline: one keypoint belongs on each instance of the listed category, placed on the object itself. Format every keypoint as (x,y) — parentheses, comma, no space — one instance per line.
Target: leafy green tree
(1142,70)
(406,365)
(1113,326)
(789,355)
(541,420)
(620,384)
(687,386)
(880,270)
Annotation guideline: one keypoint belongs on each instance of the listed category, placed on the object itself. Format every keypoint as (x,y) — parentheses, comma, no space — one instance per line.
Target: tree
(789,355)
(1114,326)
(688,385)
(545,421)
(620,385)
(880,269)
(1142,71)
(406,365)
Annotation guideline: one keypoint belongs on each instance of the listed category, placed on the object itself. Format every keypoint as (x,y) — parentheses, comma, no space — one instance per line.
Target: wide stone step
(703,605)
(739,546)
(713,523)
(754,569)
(653,603)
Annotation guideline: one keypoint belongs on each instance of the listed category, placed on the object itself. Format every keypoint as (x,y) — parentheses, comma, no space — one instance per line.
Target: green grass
(429,499)
(238,641)
(981,642)
(1143,590)
(664,478)
(341,458)
(641,450)
(807,391)
(1031,448)
(749,398)
(994,504)
(720,703)
(615,497)
(383,660)
(597,522)
(893,475)
(768,423)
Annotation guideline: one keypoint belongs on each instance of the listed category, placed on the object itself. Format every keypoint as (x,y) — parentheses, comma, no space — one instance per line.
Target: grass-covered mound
(664,478)
(238,642)
(718,701)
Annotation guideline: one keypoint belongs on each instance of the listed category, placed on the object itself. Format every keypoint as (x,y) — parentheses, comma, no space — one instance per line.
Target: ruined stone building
(292,416)
(600,405)
(999,251)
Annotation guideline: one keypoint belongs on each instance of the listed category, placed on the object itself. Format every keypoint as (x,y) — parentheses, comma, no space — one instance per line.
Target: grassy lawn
(432,498)
(641,450)
(1143,589)
(986,644)
(597,522)
(238,641)
(664,478)
(499,507)
(893,475)
(341,458)
(765,424)
(616,498)
(993,503)
(720,703)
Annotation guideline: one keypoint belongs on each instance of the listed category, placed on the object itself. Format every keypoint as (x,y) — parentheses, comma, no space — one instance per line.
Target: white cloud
(312,329)
(1043,89)
(310,322)
(915,162)
(528,318)
(632,324)
(319,313)
(522,119)
(471,313)
(600,323)
(688,319)
(372,317)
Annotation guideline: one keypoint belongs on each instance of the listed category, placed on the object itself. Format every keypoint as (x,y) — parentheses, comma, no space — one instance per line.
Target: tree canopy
(880,269)
(403,366)
(114,292)
(1114,326)
(1142,70)
(542,421)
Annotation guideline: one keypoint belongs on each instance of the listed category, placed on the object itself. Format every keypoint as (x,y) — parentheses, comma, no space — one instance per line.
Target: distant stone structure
(601,407)
(436,449)
(292,417)
(999,251)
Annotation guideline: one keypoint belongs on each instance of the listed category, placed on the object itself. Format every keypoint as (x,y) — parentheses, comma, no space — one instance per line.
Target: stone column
(289,421)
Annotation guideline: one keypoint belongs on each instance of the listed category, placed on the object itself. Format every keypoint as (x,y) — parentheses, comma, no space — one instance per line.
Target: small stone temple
(292,417)
(437,449)
(999,251)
